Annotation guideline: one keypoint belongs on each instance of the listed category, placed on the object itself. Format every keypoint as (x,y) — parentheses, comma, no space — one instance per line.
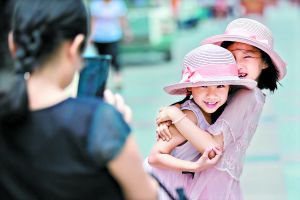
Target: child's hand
(162,131)
(162,115)
(204,162)
(165,114)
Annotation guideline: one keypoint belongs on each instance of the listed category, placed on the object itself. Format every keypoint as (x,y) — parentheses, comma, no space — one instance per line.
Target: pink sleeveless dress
(176,179)
(237,123)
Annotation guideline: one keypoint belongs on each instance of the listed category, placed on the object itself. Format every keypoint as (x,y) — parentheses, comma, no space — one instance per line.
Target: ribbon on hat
(193,75)
(244,33)
(189,74)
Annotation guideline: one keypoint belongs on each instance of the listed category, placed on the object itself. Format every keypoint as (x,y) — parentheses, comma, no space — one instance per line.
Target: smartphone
(93,76)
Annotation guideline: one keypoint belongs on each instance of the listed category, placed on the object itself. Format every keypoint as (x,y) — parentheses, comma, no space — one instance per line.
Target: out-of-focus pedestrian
(253,7)
(109,26)
(55,146)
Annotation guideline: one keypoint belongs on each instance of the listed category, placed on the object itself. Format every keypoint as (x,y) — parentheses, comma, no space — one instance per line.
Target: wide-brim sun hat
(254,33)
(209,65)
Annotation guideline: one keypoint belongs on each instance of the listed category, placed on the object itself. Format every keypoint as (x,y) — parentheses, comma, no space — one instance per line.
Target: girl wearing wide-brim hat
(209,72)
(251,43)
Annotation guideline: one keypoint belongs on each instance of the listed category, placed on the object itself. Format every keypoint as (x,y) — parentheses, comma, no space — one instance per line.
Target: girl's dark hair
(39,29)
(187,97)
(268,78)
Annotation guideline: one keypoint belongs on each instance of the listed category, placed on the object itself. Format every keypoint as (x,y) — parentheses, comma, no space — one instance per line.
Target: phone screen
(93,76)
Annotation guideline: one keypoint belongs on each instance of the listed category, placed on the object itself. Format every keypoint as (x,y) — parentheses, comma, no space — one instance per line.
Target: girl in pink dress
(208,73)
(251,43)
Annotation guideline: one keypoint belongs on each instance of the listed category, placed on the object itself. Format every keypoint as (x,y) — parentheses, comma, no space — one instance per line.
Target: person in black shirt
(53,146)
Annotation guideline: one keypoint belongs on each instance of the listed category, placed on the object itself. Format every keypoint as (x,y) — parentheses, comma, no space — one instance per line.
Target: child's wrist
(178,119)
(195,166)
(174,112)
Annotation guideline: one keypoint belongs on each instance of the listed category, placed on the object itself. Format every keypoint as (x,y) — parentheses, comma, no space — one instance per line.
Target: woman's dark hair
(6,10)
(39,29)
(268,78)
(13,98)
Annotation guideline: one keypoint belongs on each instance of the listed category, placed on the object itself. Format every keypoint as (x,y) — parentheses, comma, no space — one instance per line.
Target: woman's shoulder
(89,102)
(255,95)
(87,106)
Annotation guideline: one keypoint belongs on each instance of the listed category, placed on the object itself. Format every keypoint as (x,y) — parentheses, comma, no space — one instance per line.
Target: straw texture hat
(254,33)
(208,65)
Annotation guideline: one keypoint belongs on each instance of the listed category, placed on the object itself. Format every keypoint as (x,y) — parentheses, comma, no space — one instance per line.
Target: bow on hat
(190,75)
(196,74)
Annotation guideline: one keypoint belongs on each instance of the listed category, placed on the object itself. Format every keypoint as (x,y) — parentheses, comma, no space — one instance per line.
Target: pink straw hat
(254,33)
(208,65)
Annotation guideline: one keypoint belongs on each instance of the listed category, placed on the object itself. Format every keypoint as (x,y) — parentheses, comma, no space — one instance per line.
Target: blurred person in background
(109,26)
(53,146)
(253,8)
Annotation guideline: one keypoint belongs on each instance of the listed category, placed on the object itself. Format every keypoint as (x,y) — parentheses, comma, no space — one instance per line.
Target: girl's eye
(248,56)
(220,86)
(203,86)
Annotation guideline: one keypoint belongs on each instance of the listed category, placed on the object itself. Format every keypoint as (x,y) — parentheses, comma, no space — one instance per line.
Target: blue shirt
(106,16)
(62,152)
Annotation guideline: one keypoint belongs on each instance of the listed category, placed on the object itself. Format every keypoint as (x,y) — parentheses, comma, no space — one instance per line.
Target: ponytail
(13,93)
(29,49)
(13,99)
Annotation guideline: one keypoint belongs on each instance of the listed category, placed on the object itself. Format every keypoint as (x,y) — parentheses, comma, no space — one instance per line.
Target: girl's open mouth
(210,104)
(242,75)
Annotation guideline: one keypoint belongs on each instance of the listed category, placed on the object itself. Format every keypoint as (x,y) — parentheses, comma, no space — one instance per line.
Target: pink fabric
(238,123)
(254,33)
(171,179)
(175,179)
(213,184)
(239,31)
(190,74)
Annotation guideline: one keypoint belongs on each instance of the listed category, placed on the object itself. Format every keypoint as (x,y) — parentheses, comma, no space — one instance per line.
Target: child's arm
(199,138)
(160,155)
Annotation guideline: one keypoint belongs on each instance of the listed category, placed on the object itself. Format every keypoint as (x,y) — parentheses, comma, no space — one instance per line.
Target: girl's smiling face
(249,60)
(210,98)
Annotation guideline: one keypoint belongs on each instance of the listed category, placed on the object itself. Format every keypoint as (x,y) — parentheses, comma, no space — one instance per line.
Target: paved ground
(272,169)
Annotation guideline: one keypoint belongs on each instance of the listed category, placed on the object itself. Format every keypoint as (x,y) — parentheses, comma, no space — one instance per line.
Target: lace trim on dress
(228,172)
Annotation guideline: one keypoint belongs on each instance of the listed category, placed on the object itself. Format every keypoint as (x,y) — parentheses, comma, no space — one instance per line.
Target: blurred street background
(165,30)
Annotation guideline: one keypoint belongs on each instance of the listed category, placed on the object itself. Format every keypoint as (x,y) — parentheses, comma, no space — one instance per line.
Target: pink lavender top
(237,123)
(176,179)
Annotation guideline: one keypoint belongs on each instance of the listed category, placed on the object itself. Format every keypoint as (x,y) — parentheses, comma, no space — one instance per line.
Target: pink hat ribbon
(237,31)
(190,74)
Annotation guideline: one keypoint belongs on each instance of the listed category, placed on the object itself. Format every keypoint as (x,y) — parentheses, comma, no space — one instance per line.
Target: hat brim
(276,59)
(181,88)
